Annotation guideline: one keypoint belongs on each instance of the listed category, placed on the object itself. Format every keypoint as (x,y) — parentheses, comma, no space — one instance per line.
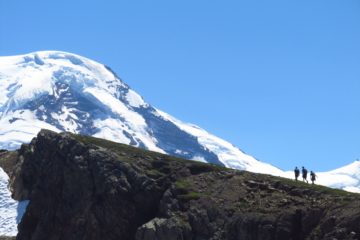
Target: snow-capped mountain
(66,92)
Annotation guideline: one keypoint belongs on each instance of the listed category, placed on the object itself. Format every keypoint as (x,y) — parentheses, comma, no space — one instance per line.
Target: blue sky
(279,79)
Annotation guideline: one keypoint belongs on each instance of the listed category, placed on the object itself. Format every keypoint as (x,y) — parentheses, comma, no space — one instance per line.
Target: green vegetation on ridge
(129,153)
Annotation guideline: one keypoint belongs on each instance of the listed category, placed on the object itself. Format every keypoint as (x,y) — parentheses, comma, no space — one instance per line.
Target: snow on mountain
(228,154)
(347,177)
(66,92)
(11,211)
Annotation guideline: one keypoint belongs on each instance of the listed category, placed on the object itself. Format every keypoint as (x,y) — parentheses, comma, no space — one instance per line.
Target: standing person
(304,174)
(312,177)
(297,173)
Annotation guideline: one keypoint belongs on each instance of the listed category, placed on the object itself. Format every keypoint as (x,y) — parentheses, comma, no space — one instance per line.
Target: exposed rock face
(78,192)
(86,188)
(7,161)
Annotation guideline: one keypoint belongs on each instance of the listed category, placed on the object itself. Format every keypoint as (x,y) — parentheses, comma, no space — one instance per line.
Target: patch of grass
(185,191)
(130,153)
(153,173)
(199,167)
(127,152)
(118,148)
(7,238)
(332,191)
(316,188)
(183,184)
(190,196)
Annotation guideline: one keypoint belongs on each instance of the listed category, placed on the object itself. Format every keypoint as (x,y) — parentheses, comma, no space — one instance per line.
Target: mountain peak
(28,76)
(62,91)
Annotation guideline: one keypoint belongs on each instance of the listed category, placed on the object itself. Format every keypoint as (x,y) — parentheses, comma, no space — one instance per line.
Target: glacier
(62,91)
(65,92)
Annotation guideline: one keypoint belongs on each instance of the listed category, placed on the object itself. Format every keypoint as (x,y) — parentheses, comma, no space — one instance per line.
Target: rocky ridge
(65,92)
(88,188)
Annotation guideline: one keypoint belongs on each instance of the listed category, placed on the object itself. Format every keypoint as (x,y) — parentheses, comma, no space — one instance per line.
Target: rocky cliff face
(88,188)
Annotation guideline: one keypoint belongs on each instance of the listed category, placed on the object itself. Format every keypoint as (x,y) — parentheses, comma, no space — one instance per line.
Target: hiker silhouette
(312,177)
(304,174)
(297,173)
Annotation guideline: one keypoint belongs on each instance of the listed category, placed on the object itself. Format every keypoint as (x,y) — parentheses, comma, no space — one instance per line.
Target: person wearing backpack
(312,177)
(297,173)
(304,174)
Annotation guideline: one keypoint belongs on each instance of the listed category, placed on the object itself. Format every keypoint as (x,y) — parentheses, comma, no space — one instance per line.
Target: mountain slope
(66,92)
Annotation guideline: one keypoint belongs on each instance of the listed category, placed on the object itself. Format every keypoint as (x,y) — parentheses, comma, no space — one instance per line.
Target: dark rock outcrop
(7,161)
(86,188)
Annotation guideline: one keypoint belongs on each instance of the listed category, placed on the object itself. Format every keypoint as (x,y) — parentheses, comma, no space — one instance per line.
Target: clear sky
(280,79)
